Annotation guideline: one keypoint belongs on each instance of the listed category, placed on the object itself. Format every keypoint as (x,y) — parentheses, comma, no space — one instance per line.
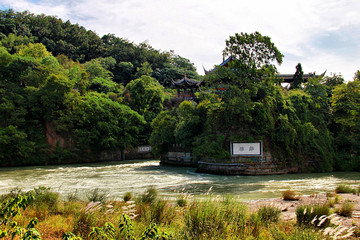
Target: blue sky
(321,35)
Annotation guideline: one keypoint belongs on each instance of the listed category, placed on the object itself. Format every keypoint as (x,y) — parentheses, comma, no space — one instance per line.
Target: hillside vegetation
(67,95)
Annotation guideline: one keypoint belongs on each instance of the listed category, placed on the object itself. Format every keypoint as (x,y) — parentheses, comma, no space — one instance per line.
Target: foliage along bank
(313,126)
(67,95)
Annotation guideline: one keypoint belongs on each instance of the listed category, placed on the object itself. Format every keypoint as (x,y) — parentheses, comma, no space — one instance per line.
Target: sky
(321,35)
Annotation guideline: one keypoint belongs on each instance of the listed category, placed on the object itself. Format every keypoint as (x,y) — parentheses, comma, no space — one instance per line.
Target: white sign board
(144,149)
(246,149)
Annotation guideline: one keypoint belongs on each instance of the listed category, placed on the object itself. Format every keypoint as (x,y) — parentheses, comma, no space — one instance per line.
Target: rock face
(54,139)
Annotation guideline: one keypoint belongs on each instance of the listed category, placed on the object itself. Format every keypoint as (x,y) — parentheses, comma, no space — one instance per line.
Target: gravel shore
(288,207)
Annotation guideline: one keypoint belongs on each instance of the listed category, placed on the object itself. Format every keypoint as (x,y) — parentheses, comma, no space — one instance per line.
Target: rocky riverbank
(288,207)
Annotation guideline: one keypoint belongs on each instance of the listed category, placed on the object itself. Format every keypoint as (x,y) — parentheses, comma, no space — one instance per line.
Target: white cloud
(197,29)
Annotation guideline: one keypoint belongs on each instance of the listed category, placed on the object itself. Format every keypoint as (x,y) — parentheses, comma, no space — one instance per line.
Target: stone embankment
(237,165)
(252,168)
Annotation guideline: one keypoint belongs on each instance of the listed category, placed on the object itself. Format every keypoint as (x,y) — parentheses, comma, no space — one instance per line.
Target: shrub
(45,201)
(342,188)
(331,202)
(73,197)
(269,214)
(211,219)
(127,196)
(337,199)
(182,200)
(346,209)
(315,215)
(330,194)
(203,219)
(96,195)
(290,195)
(162,212)
(87,218)
(150,195)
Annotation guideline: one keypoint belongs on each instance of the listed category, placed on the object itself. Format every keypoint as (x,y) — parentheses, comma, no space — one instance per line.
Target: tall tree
(298,77)
(345,103)
(253,50)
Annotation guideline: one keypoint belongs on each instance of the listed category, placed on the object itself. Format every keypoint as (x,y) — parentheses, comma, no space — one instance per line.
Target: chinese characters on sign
(246,149)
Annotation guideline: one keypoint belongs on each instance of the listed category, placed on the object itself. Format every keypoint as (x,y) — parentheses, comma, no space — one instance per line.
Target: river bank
(288,208)
(214,217)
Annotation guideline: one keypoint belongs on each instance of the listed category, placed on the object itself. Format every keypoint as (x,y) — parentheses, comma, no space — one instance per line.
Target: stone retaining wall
(178,159)
(254,168)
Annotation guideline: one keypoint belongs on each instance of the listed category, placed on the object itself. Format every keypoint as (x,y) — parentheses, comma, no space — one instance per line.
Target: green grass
(290,195)
(313,215)
(269,214)
(346,209)
(206,218)
(97,195)
(127,196)
(342,188)
(150,195)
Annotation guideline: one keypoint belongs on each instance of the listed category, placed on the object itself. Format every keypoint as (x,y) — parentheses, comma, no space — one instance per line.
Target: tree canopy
(67,95)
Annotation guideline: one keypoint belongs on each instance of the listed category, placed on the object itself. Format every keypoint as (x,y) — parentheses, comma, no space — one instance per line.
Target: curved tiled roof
(186,82)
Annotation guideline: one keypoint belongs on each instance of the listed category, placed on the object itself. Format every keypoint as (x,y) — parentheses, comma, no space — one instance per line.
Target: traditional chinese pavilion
(188,86)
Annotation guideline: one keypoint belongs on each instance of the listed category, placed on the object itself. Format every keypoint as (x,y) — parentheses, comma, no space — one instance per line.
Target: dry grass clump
(290,195)
(346,209)
(127,196)
(342,188)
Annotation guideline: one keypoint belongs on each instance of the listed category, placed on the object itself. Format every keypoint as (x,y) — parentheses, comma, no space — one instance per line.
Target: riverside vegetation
(88,94)
(42,214)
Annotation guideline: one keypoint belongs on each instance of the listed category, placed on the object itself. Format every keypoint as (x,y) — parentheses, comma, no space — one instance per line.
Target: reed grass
(206,218)
(313,215)
(346,209)
(290,195)
(342,188)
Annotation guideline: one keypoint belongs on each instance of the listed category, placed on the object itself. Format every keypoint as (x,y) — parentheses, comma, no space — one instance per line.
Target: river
(117,178)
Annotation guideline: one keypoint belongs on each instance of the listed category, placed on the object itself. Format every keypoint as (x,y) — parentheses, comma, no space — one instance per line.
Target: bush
(96,195)
(315,215)
(211,219)
(342,188)
(269,214)
(290,195)
(162,212)
(346,209)
(150,195)
(73,197)
(182,200)
(203,219)
(127,196)
(331,202)
(46,200)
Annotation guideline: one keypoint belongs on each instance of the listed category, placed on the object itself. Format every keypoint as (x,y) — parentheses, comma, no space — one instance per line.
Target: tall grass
(97,195)
(313,215)
(269,214)
(342,188)
(150,195)
(346,209)
(214,219)
(290,195)
(151,216)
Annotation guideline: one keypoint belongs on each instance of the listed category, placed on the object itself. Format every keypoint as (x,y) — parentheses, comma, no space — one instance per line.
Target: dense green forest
(67,95)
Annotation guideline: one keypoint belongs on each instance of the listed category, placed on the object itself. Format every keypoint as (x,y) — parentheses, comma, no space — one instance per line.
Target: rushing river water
(136,176)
